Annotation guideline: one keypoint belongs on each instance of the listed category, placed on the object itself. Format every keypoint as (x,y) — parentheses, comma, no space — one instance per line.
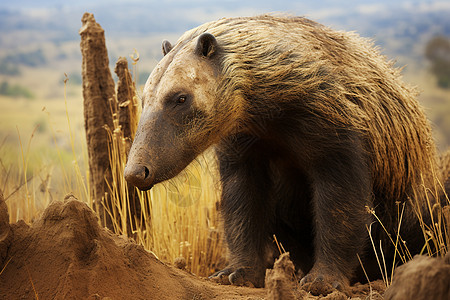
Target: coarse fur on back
(293,59)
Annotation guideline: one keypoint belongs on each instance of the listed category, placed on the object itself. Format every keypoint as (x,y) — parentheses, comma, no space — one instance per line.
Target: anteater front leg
(342,190)
(246,211)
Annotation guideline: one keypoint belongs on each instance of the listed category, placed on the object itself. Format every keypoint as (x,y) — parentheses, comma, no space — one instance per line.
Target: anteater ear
(206,45)
(166,47)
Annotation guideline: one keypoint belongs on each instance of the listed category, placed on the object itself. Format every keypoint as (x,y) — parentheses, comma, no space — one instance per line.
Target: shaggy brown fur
(339,76)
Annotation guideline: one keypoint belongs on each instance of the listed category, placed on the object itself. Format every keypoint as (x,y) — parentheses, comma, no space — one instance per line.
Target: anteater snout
(139,176)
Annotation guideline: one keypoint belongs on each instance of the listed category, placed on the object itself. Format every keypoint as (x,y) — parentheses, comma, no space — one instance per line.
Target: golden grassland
(43,157)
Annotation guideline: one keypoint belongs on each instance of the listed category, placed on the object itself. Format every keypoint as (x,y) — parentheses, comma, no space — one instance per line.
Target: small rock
(422,278)
(180,263)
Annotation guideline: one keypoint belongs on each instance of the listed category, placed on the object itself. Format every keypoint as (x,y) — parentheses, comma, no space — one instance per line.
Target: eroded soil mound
(66,255)
(422,278)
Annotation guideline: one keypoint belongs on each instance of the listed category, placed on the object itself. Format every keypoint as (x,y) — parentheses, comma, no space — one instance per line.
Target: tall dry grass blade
(4,267)
(280,249)
(384,264)
(383,275)
(32,284)
(365,273)
(399,250)
(30,202)
(396,245)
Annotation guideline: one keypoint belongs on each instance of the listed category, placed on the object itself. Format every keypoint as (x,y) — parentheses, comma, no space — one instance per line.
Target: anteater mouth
(145,188)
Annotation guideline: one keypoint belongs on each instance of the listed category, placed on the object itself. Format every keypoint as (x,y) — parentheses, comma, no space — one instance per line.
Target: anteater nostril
(139,176)
(147,172)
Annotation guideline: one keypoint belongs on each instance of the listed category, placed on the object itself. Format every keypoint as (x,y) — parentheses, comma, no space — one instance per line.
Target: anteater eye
(181,99)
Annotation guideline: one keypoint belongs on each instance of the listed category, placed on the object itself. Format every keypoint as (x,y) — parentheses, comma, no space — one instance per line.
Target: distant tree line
(8,69)
(438,53)
(9,64)
(32,59)
(15,91)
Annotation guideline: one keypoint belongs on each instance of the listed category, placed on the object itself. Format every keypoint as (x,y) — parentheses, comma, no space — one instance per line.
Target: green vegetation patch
(31,59)
(438,52)
(9,69)
(15,91)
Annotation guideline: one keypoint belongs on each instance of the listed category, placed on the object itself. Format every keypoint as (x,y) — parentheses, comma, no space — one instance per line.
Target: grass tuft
(436,233)
(177,218)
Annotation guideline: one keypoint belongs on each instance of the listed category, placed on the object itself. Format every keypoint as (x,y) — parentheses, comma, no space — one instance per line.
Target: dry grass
(40,161)
(436,234)
(23,192)
(184,220)
(179,217)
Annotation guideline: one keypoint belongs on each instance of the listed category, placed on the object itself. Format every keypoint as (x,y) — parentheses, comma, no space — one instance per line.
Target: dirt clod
(280,280)
(318,287)
(180,263)
(422,278)
(335,295)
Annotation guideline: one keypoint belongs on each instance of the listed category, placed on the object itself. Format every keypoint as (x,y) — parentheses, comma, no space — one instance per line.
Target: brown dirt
(65,254)
(422,278)
(4,229)
(280,281)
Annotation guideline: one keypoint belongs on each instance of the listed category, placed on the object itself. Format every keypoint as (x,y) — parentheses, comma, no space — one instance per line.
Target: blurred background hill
(39,44)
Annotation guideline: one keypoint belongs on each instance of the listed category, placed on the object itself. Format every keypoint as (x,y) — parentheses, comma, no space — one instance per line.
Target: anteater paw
(221,276)
(318,284)
(244,276)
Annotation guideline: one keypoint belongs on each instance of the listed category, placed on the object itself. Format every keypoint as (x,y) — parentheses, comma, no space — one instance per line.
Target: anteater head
(179,116)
